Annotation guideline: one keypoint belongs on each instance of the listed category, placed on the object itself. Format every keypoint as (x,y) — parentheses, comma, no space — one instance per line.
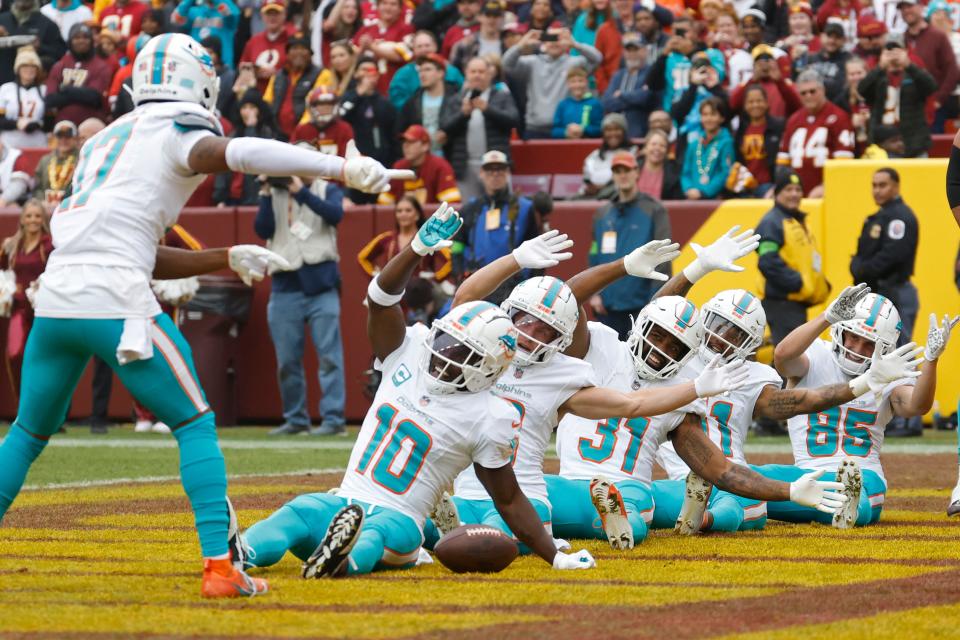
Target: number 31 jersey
(412,444)
(855,429)
(617,448)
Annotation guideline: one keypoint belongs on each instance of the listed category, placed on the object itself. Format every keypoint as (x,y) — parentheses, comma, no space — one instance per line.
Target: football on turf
(477,548)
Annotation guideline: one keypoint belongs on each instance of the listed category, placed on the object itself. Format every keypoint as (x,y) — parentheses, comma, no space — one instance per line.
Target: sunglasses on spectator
(809,92)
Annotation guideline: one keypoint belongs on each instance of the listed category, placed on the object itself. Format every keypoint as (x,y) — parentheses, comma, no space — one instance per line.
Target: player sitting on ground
(846,440)
(131,182)
(734,323)
(432,417)
(548,379)
(606,467)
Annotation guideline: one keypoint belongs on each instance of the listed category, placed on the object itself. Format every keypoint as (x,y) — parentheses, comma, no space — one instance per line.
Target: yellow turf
(131,567)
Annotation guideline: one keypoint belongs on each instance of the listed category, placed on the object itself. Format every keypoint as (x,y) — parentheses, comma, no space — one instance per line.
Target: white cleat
(849,474)
(954,507)
(160,427)
(424,557)
(143,426)
(613,514)
(332,554)
(445,515)
(695,499)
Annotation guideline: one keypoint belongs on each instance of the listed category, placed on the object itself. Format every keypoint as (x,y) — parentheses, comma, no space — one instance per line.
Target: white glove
(252,262)
(176,292)
(643,261)
(717,379)
(844,307)
(31,292)
(438,231)
(896,365)
(819,494)
(366,174)
(546,250)
(579,560)
(8,287)
(722,253)
(938,336)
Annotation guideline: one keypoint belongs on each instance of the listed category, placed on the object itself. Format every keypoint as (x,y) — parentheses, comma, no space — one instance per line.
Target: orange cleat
(222,580)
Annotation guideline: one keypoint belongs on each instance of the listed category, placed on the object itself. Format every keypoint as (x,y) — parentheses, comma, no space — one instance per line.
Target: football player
(610,463)
(433,416)
(846,440)
(131,181)
(548,379)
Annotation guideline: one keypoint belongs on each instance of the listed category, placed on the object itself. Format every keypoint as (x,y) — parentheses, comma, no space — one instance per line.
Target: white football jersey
(854,430)
(618,448)
(131,181)
(727,418)
(537,392)
(412,444)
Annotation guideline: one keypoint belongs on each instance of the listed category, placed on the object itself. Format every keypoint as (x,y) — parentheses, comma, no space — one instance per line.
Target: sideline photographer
(298,218)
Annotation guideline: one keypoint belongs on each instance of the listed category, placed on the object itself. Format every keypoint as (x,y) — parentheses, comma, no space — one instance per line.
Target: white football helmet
(176,67)
(734,318)
(468,349)
(678,318)
(876,320)
(547,299)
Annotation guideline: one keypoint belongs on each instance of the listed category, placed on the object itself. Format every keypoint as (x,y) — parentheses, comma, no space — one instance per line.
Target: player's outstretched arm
(917,400)
(789,358)
(523,520)
(703,457)
(260,156)
(780,404)
(720,255)
(251,262)
(597,403)
(386,327)
(544,251)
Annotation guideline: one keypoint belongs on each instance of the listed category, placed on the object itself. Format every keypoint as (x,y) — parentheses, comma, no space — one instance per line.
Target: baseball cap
(785,177)
(273,5)
(764,51)
(801,7)
(623,159)
(515,27)
(494,157)
(907,2)
(65,128)
(755,15)
(834,29)
(894,41)
(870,27)
(700,59)
(416,132)
(436,59)
(299,40)
(631,40)
(492,8)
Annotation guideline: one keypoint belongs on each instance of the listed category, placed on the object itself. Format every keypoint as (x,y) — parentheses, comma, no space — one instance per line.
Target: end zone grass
(121,561)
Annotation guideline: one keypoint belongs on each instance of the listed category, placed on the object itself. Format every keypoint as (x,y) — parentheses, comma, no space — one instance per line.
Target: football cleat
(143,426)
(445,515)
(848,474)
(613,514)
(954,507)
(239,551)
(223,580)
(330,558)
(695,499)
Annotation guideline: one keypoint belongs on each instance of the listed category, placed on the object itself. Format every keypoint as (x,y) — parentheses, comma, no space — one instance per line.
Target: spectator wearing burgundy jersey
(897,92)
(78,83)
(757,140)
(123,17)
(844,13)
(267,50)
(467,24)
(871,36)
(24,19)
(488,39)
(801,40)
(434,181)
(781,93)
(325,130)
(933,47)
(385,39)
(728,40)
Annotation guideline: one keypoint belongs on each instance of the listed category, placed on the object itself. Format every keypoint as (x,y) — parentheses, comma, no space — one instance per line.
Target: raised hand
(938,336)
(896,365)
(546,250)
(717,379)
(844,306)
(820,494)
(438,231)
(366,174)
(643,261)
(252,262)
(722,253)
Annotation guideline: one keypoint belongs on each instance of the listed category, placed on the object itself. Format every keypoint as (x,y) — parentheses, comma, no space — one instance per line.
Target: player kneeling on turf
(432,417)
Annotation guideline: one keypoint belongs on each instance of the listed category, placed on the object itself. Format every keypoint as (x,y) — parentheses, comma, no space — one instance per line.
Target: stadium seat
(566,185)
(529,185)
(32,157)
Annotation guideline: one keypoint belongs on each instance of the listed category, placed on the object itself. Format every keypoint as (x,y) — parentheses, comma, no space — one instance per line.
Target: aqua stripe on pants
(57,352)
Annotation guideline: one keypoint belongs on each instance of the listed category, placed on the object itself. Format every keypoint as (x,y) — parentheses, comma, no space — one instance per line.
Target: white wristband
(859,385)
(381,297)
(694,271)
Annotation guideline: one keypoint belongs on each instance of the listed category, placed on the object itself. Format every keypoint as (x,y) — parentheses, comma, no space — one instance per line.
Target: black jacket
(500,117)
(281,82)
(373,119)
(833,70)
(771,141)
(915,87)
(412,111)
(51,47)
(887,247)
(671,189)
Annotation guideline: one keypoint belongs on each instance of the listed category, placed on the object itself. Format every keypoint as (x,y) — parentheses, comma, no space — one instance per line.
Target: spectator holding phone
(267,50)
(670,74)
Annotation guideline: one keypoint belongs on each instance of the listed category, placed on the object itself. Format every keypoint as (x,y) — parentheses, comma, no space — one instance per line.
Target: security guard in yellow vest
(789,260)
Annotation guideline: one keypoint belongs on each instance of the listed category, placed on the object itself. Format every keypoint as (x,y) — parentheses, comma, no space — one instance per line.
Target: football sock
(727,513)
(204,477)
(17,453)
(268,540)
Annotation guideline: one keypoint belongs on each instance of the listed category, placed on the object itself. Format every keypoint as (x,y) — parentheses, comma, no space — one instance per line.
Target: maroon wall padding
(258,398)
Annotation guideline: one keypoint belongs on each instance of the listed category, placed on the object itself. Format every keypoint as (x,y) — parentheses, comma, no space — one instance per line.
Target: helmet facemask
(850,361)
(321,120)
(725,337)
(543,349)
(657,353)
(456,366)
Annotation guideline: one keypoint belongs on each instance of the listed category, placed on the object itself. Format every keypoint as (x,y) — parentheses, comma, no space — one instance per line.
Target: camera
(475,93)
(277,182)
(549,37)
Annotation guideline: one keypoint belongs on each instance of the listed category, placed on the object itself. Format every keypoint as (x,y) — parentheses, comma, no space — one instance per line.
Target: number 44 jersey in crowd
(852,430)
(413,444)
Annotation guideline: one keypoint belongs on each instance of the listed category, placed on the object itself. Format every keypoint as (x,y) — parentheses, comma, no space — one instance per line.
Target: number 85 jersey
(413,444)
(854,430)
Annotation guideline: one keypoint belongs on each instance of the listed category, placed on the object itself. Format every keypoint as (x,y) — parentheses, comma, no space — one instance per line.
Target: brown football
(476,547)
